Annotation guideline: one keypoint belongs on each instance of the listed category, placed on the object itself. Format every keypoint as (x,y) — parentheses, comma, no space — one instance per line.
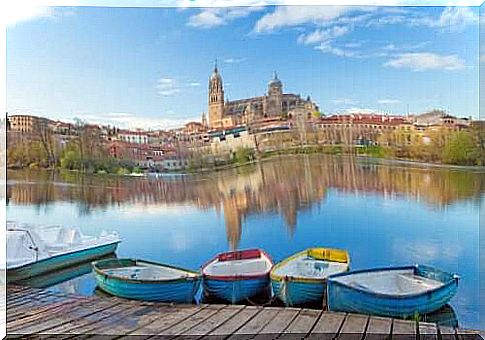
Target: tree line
(83,150)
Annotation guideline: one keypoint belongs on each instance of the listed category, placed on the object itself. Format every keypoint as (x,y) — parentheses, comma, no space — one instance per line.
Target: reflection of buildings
(283,186)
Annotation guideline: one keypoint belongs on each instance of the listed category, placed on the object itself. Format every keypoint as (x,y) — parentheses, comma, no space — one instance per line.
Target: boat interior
(391,282)
(309,267)
(148,272)
(253,266)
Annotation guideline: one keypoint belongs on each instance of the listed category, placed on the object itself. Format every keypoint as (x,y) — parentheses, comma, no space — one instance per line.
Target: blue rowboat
(302,277)
(37,250)
(144,280)
(397,292)
(237,275)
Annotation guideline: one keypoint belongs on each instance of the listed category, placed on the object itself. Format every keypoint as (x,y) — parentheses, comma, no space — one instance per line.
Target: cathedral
(225,114)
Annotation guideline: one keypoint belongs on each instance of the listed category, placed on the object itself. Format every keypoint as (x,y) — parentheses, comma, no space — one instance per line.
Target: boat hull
(181,291)
(59,262)
(343,298)
(294,293)
(235,290)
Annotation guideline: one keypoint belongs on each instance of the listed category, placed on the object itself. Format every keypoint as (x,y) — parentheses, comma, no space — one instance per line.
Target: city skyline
(149,67)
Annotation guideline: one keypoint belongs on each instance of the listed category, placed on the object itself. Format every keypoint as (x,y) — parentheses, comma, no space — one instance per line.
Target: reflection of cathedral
(285,186)
(275,103)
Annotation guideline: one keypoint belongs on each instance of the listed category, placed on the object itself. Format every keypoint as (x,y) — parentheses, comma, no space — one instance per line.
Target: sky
(149,67)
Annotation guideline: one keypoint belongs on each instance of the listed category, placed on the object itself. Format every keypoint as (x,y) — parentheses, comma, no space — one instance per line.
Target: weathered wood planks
(67,316)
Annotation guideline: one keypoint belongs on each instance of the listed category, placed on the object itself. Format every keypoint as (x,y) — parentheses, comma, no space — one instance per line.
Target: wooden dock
(53,315)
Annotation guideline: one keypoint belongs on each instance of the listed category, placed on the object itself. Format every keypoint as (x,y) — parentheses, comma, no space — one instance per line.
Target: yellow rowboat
(302,277)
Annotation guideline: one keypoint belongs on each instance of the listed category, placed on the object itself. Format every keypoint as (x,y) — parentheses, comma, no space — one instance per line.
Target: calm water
(382,214)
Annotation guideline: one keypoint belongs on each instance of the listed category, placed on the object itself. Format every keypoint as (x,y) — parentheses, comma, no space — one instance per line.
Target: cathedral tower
(216,99)
(275,97)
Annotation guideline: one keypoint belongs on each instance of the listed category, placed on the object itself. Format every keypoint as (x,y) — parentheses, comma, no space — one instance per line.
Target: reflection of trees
(281,186)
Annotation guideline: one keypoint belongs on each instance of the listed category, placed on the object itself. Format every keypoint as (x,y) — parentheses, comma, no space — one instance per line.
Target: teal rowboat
(394,292)
(144,280)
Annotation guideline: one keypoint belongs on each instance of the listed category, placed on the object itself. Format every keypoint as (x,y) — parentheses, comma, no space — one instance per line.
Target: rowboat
(301,278)
(237,275)
(397,292)
(33,250)
(144,280)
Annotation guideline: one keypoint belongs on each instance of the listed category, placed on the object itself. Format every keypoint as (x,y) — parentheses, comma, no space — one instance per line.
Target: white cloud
(456,18)
(288,16)
(322,35)
(344,101)
(233,60)
(388,101)
(451,18)
(169,86)
(426,61)
(212,17)
(327,47)
(27,10)
(358,110)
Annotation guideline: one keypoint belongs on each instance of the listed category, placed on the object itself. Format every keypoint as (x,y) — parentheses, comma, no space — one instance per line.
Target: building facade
(275,103)
(27,124)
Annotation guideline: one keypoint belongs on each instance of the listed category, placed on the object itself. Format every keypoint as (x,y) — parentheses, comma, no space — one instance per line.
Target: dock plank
(124,322)
(403,329)
(83,324)
(165,321)
(192,321)
(46,324)
(304,322)
(354,327)
(213,322)
(234,324)
(256,324)
(36,311)
(281,322)
(427,331)
(378,328)
(327,326)
(446,333)
(464,334)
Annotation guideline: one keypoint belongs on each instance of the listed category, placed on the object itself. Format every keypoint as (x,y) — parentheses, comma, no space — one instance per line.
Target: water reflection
(63,280)
(287,186)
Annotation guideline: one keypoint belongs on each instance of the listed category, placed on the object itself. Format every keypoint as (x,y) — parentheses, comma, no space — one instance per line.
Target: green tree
(461,149)
(71,160)
(243,155)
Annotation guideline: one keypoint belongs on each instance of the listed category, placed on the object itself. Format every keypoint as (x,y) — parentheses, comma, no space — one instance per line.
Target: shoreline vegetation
(86,152)
(248,158)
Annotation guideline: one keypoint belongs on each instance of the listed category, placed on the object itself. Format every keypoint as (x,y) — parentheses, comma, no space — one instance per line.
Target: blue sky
(149,67)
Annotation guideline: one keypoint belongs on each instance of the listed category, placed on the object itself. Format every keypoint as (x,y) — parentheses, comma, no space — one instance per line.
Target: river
(382,213)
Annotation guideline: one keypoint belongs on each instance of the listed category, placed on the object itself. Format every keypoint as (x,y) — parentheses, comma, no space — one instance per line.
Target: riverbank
(335,151)
(310,151)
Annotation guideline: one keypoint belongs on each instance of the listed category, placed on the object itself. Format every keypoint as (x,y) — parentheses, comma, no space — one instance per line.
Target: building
(27,124)
(439,118)
(225,114)
(137,137)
